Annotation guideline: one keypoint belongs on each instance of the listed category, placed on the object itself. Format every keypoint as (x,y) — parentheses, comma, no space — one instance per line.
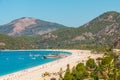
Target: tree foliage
(104,68)
(90,64)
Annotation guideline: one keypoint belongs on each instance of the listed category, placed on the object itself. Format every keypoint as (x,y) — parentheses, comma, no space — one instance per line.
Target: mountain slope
(103,30)
(28,26)
(9,42)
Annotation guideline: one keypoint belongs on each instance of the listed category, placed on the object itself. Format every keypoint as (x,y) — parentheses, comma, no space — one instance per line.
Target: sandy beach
(36,73)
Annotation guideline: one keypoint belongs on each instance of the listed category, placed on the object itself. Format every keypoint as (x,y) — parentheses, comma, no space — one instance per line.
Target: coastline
(32,50)
(35,73)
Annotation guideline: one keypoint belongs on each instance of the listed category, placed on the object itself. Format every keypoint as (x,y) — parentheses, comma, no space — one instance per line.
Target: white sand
(35,73)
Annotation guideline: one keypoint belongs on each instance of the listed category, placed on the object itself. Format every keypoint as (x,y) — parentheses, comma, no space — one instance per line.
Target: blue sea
(13,60)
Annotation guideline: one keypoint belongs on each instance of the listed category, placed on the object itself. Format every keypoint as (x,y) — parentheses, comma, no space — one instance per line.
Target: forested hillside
(8,42)
(103,30)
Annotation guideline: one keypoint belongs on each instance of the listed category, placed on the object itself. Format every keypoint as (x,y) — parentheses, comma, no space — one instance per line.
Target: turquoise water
(12,61)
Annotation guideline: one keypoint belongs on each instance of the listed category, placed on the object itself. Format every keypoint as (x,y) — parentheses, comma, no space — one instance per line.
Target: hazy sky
(71,13)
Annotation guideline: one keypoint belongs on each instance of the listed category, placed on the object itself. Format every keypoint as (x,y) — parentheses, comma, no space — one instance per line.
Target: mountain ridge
(104,30)
(29,26)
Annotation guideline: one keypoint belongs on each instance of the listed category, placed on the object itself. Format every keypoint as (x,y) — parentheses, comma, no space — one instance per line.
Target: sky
(72,13)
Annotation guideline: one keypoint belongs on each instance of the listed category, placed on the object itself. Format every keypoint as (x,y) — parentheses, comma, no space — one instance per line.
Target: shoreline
(33,50)
(32,66)
(35,73)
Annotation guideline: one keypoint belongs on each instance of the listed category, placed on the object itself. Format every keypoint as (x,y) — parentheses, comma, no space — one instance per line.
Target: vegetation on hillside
(106,68)
(8,42)
(100,32)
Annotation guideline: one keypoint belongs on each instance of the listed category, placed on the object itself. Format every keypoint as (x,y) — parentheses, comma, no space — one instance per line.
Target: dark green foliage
(118,78)
(90,64)
(68,75)
(16,42)
(106,60)
(80,71)
(104,68)
(94,76)
(74,73)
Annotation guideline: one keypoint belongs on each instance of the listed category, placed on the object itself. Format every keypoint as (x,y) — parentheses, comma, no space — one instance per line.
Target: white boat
(37,55)
(30,55)
(50,56)
(55,56)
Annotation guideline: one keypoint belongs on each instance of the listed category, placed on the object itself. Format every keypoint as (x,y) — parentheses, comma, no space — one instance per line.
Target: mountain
(28,26)
(103,30)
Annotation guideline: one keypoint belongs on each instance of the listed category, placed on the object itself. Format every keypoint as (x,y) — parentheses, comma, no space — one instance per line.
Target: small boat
(30,55)
(55,56)
(50,56)
(61,55)
(37,55)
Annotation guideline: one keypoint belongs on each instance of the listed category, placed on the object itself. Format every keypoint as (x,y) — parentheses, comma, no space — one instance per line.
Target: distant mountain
(29,26)
(103,30)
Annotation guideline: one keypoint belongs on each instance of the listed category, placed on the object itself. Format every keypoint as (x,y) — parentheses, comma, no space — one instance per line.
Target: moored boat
(50,56)
(55,56)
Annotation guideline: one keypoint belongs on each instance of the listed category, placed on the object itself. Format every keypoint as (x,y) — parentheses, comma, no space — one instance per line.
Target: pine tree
(81,71)
(67,75)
